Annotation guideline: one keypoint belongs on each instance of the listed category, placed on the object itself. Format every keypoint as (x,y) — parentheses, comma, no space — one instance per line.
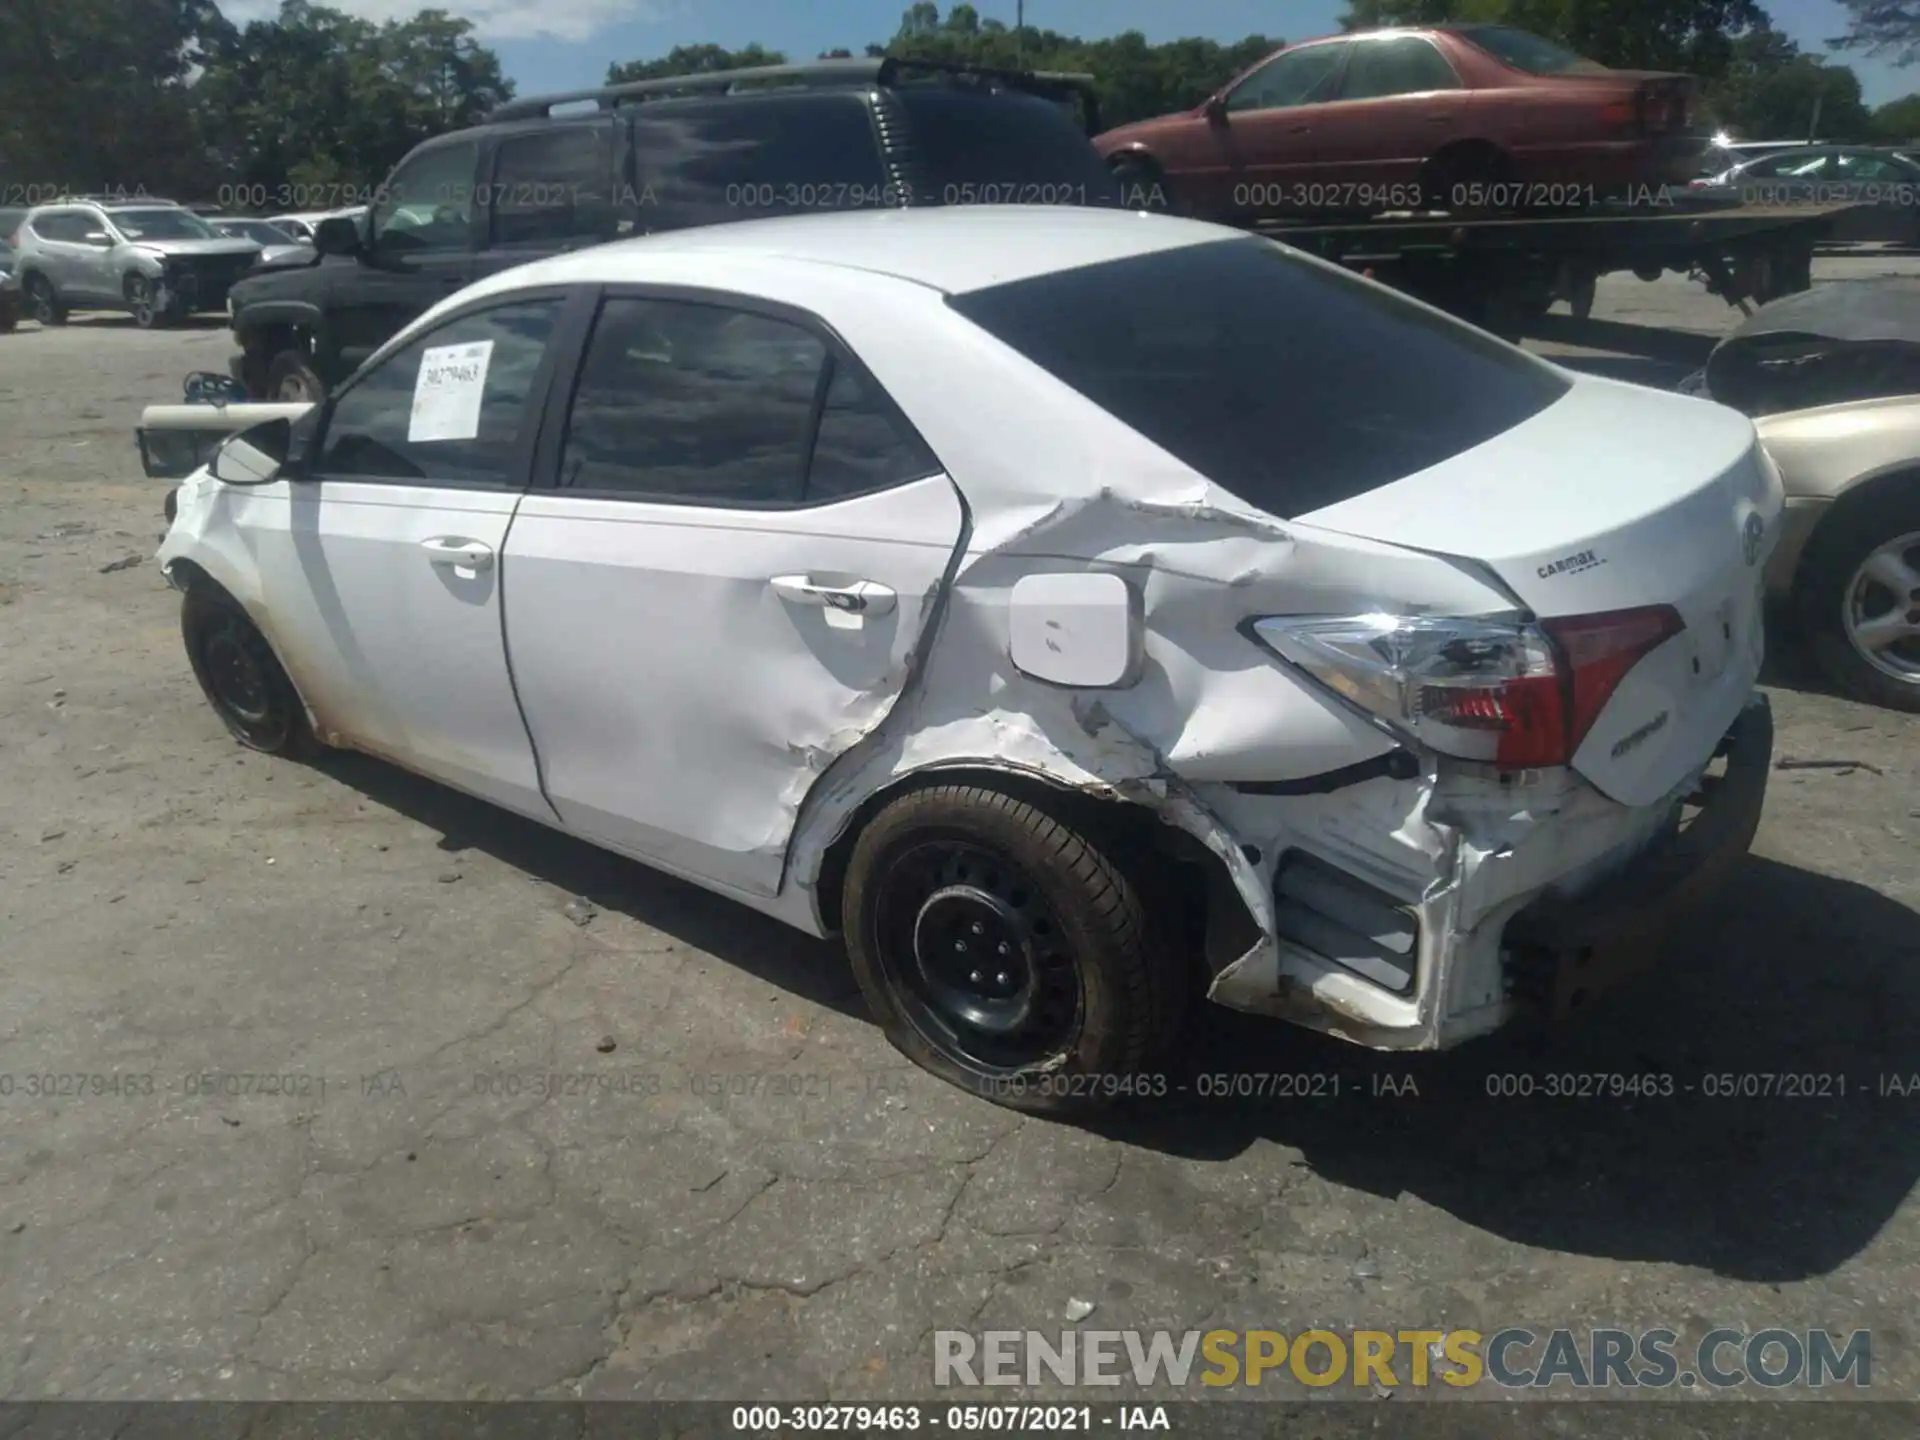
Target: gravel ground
(368,1219)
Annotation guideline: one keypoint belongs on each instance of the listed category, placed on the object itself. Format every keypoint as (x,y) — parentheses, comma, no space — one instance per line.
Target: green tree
(96,94)
(1882,27)
(1898,121)
(1695,36)
(316,98)
(693,60)
(1771,90)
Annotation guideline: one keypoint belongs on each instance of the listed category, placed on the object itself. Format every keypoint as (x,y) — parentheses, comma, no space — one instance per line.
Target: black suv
(562,171)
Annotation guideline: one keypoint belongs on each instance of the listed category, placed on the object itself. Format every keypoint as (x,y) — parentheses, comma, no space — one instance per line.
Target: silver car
(153,259)
(276,243)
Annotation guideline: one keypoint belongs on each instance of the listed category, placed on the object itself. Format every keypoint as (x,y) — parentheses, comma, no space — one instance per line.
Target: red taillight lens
(1519,696)
(1600,650)
(1619,112)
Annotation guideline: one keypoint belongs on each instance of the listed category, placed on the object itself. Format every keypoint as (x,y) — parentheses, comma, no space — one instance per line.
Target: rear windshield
(1291,384)
(1006,149)
(1524,50)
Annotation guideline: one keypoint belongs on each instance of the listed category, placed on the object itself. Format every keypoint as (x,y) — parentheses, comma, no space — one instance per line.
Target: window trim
(566,335)
(1337,76)
(1353,48)
(560,397)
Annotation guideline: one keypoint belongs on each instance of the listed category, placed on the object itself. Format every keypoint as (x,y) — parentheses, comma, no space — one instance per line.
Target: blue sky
(566,44)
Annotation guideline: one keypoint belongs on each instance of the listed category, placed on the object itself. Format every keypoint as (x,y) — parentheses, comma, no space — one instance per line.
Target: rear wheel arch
(1210,918)
(1463,162)
(1872,491)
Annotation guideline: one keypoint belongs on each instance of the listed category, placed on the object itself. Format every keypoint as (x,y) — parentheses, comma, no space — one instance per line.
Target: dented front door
(726,593)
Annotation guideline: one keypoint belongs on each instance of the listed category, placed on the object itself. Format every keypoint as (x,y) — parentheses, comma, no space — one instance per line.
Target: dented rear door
(698,620)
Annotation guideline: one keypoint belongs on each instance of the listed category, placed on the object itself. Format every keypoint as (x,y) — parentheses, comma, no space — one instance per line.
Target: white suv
(155,260)
(1072,607)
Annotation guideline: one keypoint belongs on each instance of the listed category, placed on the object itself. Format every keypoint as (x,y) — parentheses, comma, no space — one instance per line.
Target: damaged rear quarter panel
(1054,484)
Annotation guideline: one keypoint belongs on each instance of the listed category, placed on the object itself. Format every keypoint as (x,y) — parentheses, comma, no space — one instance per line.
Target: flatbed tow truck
(1501,272)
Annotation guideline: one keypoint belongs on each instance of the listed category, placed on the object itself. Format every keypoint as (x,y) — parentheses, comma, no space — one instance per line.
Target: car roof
(953,249)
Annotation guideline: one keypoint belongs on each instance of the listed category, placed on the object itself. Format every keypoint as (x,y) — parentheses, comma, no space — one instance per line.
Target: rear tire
(291,379)
(43,301)
(241,677)
(1004,951)
(1849,579)
(1447,181)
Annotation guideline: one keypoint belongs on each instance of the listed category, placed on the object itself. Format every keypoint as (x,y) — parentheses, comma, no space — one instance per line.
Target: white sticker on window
(446,397)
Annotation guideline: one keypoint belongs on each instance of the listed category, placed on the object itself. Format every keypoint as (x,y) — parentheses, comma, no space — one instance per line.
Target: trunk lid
(1614,497)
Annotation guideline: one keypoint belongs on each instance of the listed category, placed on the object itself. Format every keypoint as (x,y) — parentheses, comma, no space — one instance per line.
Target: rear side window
(859,446)
(753,157)
(1000,148)
(1291,384)
(554,184)
(1406,65)
(689,402)
(1524,50)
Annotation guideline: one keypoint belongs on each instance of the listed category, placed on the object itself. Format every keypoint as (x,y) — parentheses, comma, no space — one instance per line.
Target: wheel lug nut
(1002,978)
(977,928)
(960,947)
(974,977)
(1005,949)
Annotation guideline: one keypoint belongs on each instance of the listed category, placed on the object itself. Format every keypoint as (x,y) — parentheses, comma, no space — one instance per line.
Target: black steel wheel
(241,677)
(43,301)
(1002,950)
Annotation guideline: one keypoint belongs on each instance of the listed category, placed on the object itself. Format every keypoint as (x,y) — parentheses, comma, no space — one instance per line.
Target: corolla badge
(1751,534)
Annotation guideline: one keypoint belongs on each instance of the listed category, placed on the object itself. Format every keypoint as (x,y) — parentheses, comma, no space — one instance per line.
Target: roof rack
(109,197)
(843,72)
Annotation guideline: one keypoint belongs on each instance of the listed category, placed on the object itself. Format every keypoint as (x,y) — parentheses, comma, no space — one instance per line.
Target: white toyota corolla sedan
(1079,610)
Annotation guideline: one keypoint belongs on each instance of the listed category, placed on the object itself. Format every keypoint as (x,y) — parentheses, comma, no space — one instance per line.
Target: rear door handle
(860,597)
(462,554)
(1301,130)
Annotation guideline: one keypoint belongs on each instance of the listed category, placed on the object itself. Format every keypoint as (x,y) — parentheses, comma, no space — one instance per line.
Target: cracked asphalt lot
(294,1022)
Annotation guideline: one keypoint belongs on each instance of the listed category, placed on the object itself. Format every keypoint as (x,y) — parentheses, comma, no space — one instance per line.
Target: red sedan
(1454,117)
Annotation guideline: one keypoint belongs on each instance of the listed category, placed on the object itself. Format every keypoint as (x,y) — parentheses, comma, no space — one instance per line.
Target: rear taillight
(1620,113)
(1512,695)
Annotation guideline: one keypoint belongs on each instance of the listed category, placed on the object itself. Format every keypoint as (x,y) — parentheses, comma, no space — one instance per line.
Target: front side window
(450,408)
(1290,383)
(552,185)
(691,402)
(1293,77)
(1403,65)
(428,202)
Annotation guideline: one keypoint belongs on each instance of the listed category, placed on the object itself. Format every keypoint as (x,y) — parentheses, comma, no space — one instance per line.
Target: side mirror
(255,455)
(1215,110)
(337,235)
(98,237)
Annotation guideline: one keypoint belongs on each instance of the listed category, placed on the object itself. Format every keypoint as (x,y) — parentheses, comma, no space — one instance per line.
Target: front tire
(147,312)
(1859,599)
(43,302)
(241,678)
(1002,950)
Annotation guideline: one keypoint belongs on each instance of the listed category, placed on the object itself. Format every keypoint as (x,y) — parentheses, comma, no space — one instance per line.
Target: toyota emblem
(1751,534)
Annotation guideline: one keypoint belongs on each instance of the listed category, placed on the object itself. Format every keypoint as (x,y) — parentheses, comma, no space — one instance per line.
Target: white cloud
(573,20)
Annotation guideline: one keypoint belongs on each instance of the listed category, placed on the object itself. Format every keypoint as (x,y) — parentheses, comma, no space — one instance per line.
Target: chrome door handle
(462,554)
(862,597)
